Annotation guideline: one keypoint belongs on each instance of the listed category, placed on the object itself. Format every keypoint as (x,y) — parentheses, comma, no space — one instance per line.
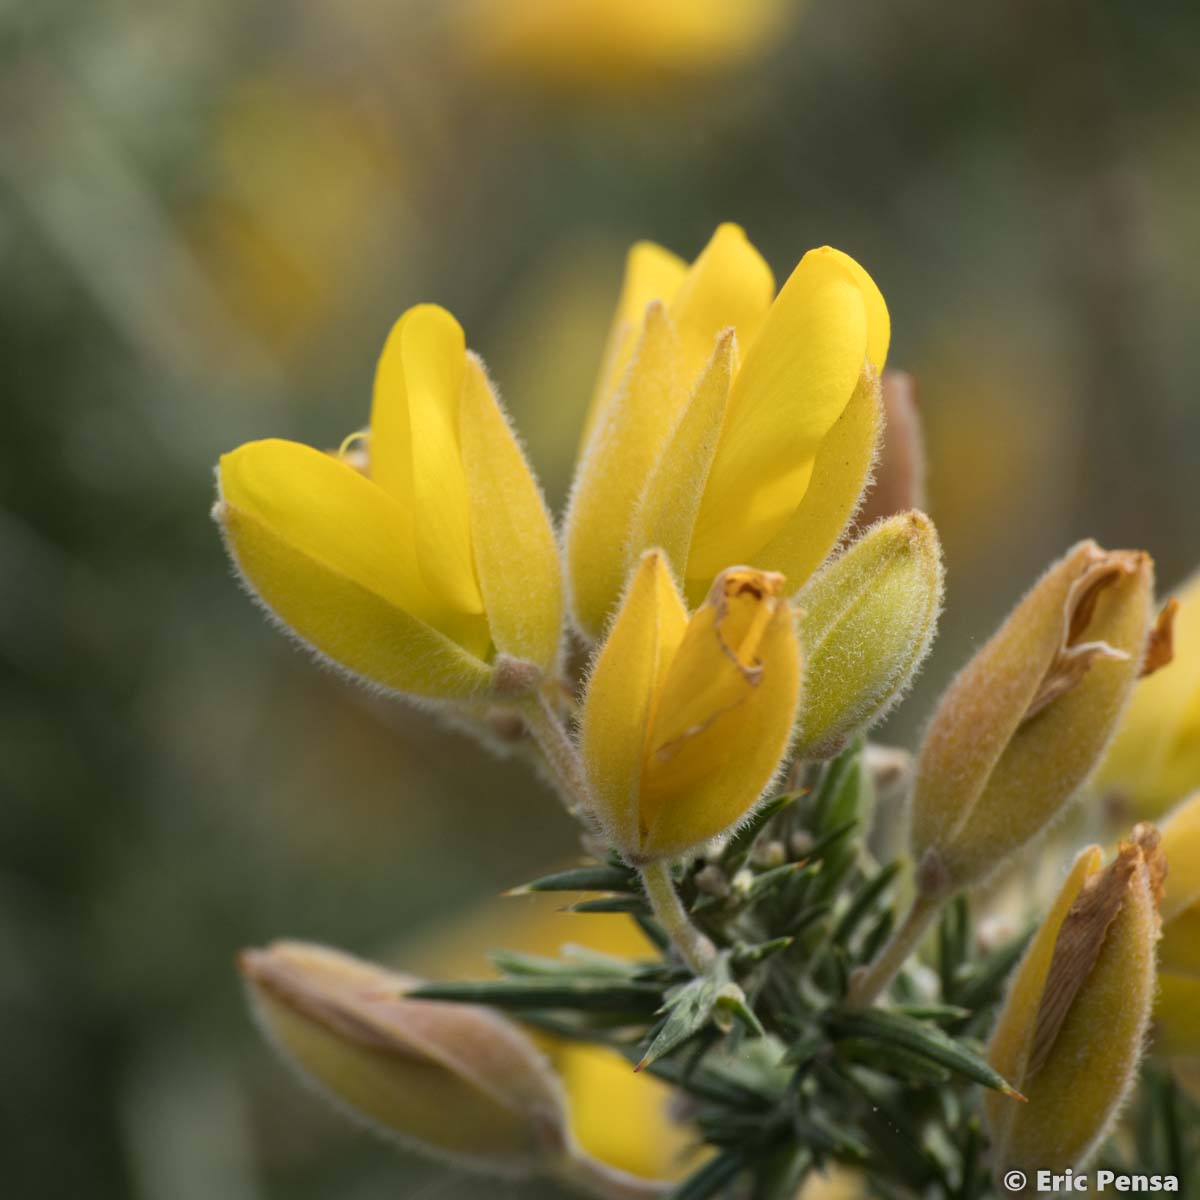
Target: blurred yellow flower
(1155,757)
(1177,1016)
(428,571)
(729,425)
(614,44)
(685,721)
(300,184)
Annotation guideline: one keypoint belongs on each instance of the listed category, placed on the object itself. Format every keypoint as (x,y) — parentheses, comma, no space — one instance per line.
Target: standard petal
(728,286)
(651,273)
(415,452)
(666,513)
(516,554)
(839,476)
(879,322)
(723,719)
(611,477)
(322,548)
(794,383)
(620,696)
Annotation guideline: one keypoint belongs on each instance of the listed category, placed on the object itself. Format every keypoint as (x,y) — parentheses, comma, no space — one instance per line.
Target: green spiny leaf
(920,1038)
(587,995)
(592,878)
(862,903)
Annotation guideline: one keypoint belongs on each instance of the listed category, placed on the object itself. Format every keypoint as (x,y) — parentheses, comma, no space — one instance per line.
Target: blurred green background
(211,211)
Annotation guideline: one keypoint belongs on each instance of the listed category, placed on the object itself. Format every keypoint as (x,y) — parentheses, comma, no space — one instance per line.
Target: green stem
(559,752)
(694,948)
(867,983)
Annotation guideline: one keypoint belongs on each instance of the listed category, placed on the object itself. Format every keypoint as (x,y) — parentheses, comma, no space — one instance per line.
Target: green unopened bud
(868,620)
(456,1081)
(1026,721)
(1073,1028)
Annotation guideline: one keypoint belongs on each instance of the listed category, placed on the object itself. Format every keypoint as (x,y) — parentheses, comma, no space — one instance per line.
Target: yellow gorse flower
(1072,1030)
(422,566)
(685,721)
(729,424)
(1155,757)
(1177,1015)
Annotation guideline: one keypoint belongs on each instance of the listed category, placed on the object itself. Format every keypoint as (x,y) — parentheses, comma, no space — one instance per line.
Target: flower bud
(729,426)
(899,477)
(1155,757)
(1025,722)
(867,620)
(456,1081)
(425,555)
(685,722)
(1177,1014)
(1072,1030)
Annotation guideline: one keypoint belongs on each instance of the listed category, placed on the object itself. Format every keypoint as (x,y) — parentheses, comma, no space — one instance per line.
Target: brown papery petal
(1074,656)
(1160,645)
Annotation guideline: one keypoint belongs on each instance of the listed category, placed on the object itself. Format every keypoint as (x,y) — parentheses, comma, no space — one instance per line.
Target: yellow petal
(1181,844)
(612,475)
(1155,757)
(651,273)
(1180,947)
(515,551)
(729,285)
(794,383)
(323,548)
(879,322)
(1177,1016)
(666,513)
(414,448)
(618,707)
(839,476)
(724,714)
(623,1118)
(1012,1037)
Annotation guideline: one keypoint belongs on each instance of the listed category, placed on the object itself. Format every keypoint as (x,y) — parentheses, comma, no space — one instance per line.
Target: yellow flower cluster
(730,437)
(708,560)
